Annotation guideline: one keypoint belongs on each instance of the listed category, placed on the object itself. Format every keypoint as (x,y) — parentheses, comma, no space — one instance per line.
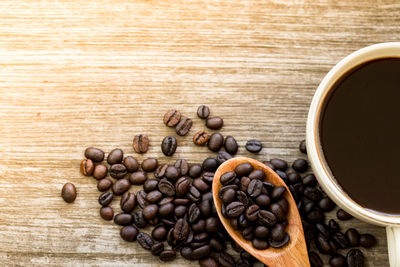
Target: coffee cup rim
(314,151)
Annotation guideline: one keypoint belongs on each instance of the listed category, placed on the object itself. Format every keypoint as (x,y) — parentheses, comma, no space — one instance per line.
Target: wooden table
(95,73)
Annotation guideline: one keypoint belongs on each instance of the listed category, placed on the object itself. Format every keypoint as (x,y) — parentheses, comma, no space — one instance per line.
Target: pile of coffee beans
(255,207)
(174,212)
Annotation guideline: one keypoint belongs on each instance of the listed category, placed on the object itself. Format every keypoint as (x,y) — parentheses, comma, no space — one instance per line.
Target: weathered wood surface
(95,73)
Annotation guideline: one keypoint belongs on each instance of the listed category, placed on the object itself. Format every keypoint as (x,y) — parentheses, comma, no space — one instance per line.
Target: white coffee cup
(318,162)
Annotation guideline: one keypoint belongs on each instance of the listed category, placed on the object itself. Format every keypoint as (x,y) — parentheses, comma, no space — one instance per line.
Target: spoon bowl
(292,254)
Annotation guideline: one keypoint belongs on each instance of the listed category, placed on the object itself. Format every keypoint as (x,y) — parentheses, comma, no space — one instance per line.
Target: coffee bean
(341,240)
(166,209)
(337,261)
(279,164)
(253,146)
(231,145)
(227,178)
(149,165)
(144,240)
(343,215)
(326,204)
(166,187)
(323,229)
(100,171)
(223,156)
(226,260)
(242,197)
(123,219)
(277,232)
(106,198)
(180,211)
(293,178)
(261,232)
(259,244)
(252,212)
(138,178)
(300,165)
(200,252)
(334,226)
(141,143)
(208,262)
(353,237)
(201,185)
(159,233)
(263,200)
(121,186)
(193,194)
(244,223)
(367,240)
(168,255)
(215,142)
(115,156)
(355,258)
(172,173)
(227,187)
(257,174)
(243,263)
(315,215)
(141,199)
(68,192)
(138,219)
(107,213)
(228,196)
(184,125)
(244,183)
(182,166)
(131,164)
(150,185)
(203,112)
(312,193)
(315,260)
(150,211)
(181,230)
(128,201)
(118,171)
(268,164)
(200,138)
(212,225)
(210,165)
(193,213)
(214,123)
(278,192)
(243,169)
(322,244)
(309,180)
(154,196)
(186,253)
(284,205)
(267,218)
(169,145)
(283,175)
(182,186)
(94,154)
(254,188)
(195,171)
(129,233)
(277,210)
(234,209)
(279,244)
(87,167)
(199,226)
(172,117)
(302,147)
(104,185)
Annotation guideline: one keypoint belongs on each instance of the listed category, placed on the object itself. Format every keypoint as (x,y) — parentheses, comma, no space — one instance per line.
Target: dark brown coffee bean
(200,138)
(228,196)
(166,200)
(278,192)
(322,244)
(205,208)
(166,187)
(243,263)
(303,147)
(182,166)
(277,233)
(312,193)
(234,209)
(116,155)
(252,212)
(315,259)
(195,171)
(208,177)
(68,192)
(106,198)
(149,165)
(193,194)
(100,171)
(293,178)
(353,237)
(181,230)
(144,240)
(261,232)
(200,252)
(141,143)
(87,167)
(184,125)
(326,204)
(159,233)
(215,142)
(223,156)
(309,207)
(343,215)
(277,210)
(243,169)
(201,185)
(300,165)
(128,202)
(150,211)
(157,248)
(138,178)
(182,186)
(263,200)
(166,209)
(129,233)
(95,154)
(217,245)
(367,240)
(227,187)
(141,199)
(169,145)
(118,171)
(259,244)
(254,188)
(199,226)
(231,145)
(244,183)
(168,255)
(193,213)
(323,229)
(131,164)
(257,174)
(123,219)
(150,185)
(172,173)
(208,262)
(226,260)
(107,213)
(214,123)
(180,211)
(268,164)
(279,244)
(201,237)
(203,112)
(242,197)
(253,146)
(283,175)
(284,205)
(341,240)
(120,187)
(315,215)
(186,253)
(172,118)
(337,261)
(279,164)
(309,180)
(355,258)
(212,225)
(138,219)
(334,226)
(227,178)
(267,218)
(154,196)
(244,223)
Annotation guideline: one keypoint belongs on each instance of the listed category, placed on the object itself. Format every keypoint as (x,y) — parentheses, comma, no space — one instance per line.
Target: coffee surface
(360,134)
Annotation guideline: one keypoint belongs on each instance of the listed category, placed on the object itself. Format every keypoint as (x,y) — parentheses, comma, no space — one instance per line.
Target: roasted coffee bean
(201,237)
(199,226)
(261,232)
(200,252)
(254,188)
(172,117)
(144,240)
(149,165)
(200,138)
(302,147)
(141,143)
(223,156)
(244,183)
(182,186)
(203,112)
(334,246)
(227,178)
(279,164)
(278,192)
(337,261)
(157,248)
(107,213)
(208,262)
(180,211)
(243,222)
(267,218)
(138,219)
(231,145)
(243,263)
(150,211)
(353,237)
(95,154)
(312,193)
(228,196)
(277,233)
(87,167)
(68,192)
(193,194)
(252,212)
(118,171)
(212,225)
(257,174)
(182,166)
(141,199)
(120,187)
(259,244)
(310,180)
(128,201)
(315,215)
(123,219)
(279,213)
(215,142)
(150,185)
(159,233)
(154,196)
(234,209)
(166,187)
(201,185)
(227,187)
(171,173)
(205,208)
(193,213)
(283,176)
(104,185)
(263,201)
(323,229)
(322,244)
(184,125)
(367,240)
(253,146)
(214,123)
(309,206)
(166,209)
(242,197)
(315,259)
(268,164)
(169,145)
(279,244)
(106,198)
(343,215)
(300,165)
(129,233)
(160,171)
(208,177)
(341,240)
(210,165)
(100,171)
(293,178)
(116,155)
(247,256)
(226,260)
(168,255)
(243,169)
(326,204)
(284,204)
(131,164)
(355,258)
(334,226)
(195,171)
(186,253)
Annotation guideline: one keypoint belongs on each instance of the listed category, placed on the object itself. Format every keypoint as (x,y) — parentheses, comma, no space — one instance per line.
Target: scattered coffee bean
(334,226)
(141,143)
(87,167)
(68,192)
(259,244)
(300,165)
(172,173)
(203,112)
(169,145)
(150,211)
(253,146)
(223,156)
(150,185)
(104,185)
(123,219)
(243,169)
(128,201)
(118,171)
(279,244)
(107,213)
(337,261)
(341,240)
(184,125)
(94,154)
(138,178)
(315,259)
(279,164)
(210,165)
(144,240)
(131,164)
(121,186)
(200,138)
(302,147)
(353,237)
(115,156)
(367,240)
(326,204)
(157,248)
(159,233)
(168,255)
(214,123)
(195,170)
(231,145)
(182,166)
(166,187)
(129,233)
(149,165)
(106,198)
(172,118)
(208,262)
(355,258)
(226,260)
(215,142)
(343,215)
(100,171)
(138,219)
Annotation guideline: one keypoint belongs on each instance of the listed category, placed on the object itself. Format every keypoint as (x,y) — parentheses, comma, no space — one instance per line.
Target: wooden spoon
(292,254)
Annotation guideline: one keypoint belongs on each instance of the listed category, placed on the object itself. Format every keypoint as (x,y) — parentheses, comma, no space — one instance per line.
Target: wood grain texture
(95,73)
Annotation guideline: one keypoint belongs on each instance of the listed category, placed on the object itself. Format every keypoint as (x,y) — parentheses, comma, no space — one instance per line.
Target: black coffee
(360,134)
